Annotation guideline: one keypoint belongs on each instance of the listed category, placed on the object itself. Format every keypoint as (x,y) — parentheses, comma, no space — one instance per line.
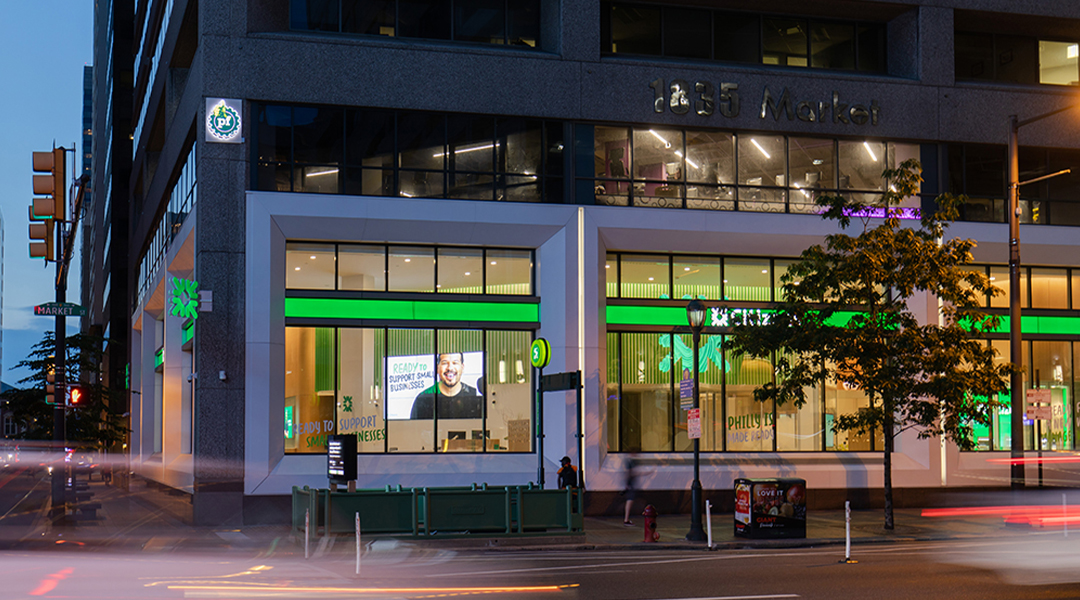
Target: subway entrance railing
(476,510)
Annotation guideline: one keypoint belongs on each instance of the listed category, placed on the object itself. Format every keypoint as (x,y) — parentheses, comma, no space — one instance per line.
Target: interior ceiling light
(870,151)
(760,149)
(1072,51)
(688,161)
(464,150)
(667,144)
(317,173)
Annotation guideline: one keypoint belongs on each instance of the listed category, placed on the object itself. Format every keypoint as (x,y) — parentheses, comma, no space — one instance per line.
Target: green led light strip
(675,316)
(159,357)
(412,310)
(187,333)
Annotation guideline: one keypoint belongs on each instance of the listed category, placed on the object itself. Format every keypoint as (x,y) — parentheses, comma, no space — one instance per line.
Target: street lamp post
(1016,357)
(695,314)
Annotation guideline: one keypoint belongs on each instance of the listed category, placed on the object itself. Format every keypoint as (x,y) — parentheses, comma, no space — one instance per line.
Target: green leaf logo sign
(185,298)
(684,355)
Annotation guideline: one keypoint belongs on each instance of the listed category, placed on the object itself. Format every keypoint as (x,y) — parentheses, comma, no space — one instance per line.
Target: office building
(354,217)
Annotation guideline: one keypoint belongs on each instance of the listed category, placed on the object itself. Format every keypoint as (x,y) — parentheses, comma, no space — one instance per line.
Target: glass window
(710,157)
(696,277)
(635,30)
(318,135)
(509,391)
(612,163)
(1017,59)
(410,373)
(309,388)
(747,279)
(275,133)
(687,33)
(761,160)
(749,423)
(612,401)
(780,268)
(811,162)
(1052,369)
(1058,63)
(509,272)
(800,429)
(645,276)
(645,408)
(1075,288)
(369,138)
(375,17)
(974,56)
(871,42)
(980,298)
(480,21)
(1049,288)
(458,392)
(843,399)
(472,144)
(360,402)
(518,146)
(309,266)
(832,45)
(611,272)
(362,268)
(524,23)
(461,271)
(737,37)
(412,269)
(314,15)
(999,276)
(429,19)
(984,170)
(784,42)
(861,165)
(421,140)
(317,180)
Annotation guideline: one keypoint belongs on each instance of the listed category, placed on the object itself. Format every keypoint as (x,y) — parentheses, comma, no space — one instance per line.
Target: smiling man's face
(450,369)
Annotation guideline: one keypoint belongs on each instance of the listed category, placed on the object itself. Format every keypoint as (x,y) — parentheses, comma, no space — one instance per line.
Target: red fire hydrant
(651,535)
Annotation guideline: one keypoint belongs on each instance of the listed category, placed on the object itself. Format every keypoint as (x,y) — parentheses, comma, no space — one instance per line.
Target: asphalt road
(23,492)
(1039,566)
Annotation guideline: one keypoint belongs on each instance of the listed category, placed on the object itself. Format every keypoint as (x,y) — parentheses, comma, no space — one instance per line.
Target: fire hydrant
(651,535)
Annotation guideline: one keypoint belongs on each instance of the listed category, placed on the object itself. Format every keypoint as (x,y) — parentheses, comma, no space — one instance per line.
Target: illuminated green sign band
(675,316)
(411,310)
(1036,325)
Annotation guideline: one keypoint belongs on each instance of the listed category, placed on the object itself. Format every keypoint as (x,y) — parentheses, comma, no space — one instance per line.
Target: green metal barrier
(444,512)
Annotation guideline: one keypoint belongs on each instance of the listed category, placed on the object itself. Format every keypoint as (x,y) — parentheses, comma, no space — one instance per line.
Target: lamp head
(695,313)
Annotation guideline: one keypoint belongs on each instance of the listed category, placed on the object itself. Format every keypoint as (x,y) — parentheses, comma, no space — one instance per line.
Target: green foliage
(921,376)
(96,422)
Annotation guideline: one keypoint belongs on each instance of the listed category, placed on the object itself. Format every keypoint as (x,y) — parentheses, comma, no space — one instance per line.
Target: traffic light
(75,396)
(47,211)
(50,387)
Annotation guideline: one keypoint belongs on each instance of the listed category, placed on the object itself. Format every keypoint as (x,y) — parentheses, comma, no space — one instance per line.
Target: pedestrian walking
(630,489)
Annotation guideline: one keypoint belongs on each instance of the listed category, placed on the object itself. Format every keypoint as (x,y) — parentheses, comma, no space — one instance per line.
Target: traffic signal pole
(59,472)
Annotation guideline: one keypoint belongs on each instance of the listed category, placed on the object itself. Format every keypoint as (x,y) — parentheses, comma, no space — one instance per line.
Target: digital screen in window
(448,385)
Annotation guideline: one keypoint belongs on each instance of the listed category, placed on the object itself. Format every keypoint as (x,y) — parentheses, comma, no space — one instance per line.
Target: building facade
(356,217)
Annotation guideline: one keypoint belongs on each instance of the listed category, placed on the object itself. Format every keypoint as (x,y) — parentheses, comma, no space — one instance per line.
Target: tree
(844,318)
(95,422)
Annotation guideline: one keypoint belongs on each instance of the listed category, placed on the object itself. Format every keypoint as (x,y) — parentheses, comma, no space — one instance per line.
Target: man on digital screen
(456,399)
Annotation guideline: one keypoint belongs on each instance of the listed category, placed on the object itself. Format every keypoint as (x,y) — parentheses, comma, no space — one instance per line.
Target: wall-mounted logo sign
(224,120)
(706,98)
(185,298)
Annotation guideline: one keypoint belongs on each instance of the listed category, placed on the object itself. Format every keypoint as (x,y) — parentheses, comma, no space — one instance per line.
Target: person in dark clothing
(630,489)
(455,399)
(568,475)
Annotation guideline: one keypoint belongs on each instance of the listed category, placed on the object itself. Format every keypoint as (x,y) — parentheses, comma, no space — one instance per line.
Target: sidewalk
(151,521)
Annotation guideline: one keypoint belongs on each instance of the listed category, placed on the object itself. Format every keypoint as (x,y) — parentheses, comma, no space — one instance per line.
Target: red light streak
(1039,516)
(1034,460)
(49,583)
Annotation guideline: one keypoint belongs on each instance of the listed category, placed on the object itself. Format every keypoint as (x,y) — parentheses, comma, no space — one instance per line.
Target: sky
(44,45)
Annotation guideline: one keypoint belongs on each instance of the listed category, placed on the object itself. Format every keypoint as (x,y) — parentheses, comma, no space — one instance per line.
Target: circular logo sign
(541,353)
(223,122)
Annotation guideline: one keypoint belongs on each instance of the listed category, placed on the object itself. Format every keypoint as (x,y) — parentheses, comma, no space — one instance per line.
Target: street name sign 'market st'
(60,309)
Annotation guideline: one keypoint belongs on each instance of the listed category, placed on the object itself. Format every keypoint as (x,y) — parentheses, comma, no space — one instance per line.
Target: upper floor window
(1016,59)
(697,33)
(504,22)
(408,154)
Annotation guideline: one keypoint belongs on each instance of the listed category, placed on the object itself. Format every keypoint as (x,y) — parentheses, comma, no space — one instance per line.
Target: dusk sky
(43,48)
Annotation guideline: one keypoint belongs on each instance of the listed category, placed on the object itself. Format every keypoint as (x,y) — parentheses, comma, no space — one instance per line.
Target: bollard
(847,534)
(307,533)
(708,522)
(651,535)
(357,543)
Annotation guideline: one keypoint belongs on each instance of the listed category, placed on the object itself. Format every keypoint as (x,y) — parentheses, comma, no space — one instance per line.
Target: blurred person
(630,488)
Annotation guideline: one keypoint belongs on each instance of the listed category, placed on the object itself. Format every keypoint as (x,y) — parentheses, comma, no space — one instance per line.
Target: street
(390,569)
